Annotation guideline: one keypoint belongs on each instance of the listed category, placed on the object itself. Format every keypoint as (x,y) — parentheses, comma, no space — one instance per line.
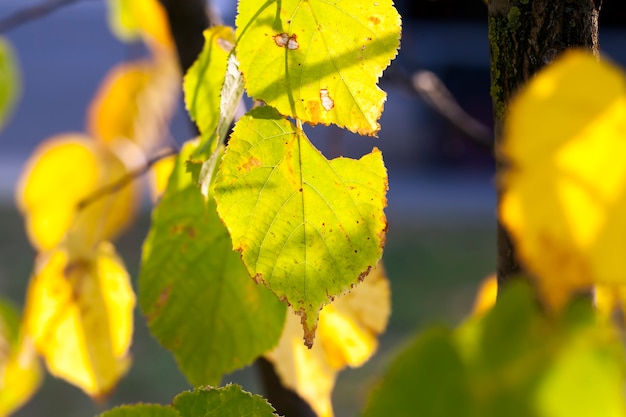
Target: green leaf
(204,80)
(199,301)
(229,401)
(513,362)
(9,81)
(306,227)
(318,60)
(141,410)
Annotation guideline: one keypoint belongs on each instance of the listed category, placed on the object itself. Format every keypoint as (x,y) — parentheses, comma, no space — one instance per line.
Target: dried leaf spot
(314,110)
(225,44)
(327,102)
(252,162)
(375,20)
(285,41)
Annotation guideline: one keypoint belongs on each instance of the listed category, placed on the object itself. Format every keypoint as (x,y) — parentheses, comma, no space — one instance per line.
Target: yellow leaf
(146,19)
(486,296)
(160,175)
(564,198)
(79,313)
(58,176)
(135,102)
(20,371)
(347,335)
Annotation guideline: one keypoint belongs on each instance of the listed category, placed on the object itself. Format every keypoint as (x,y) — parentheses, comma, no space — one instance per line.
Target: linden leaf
(198,298)
(142,410)
(20,371)
(9,80)
(512,361)
(306,227)
(347,333)
(135,102)
(203,81)
(486,296)
(319,61)
(79,313)
(228,401)
(564,197)
(58,176)
(146,19)
(159,176)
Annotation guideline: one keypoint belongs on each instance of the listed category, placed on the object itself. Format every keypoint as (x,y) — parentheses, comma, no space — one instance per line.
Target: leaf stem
(28,14)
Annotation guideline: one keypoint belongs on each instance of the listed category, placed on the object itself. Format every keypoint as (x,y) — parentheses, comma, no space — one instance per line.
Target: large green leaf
(9,80)
(513,362)
(229,401)
(199,300)
(306,227)
(319,60)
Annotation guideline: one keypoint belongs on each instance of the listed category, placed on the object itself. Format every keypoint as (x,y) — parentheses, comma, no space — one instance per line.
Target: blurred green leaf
(142,410)
(229,401)
(306,227)
(514,361)
(9,80)
(198,299)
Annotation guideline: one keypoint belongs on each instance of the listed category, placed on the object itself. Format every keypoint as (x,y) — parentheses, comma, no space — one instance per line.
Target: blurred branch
(430,88)
(116,186)
(27,14)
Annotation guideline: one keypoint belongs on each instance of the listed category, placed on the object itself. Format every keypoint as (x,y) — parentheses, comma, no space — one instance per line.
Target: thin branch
(28,14)
(116,186)
(430,88)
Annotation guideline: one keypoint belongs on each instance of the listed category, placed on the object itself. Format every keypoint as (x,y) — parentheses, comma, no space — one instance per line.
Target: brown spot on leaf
(159,304)
(284,40)
(252,162)
(258,278)
(365,273)
(314,110)
(375,20)
(309,334)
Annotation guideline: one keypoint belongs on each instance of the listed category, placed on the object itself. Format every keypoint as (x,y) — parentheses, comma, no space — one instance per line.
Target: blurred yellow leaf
(486,296)
(20,371)
(145,19)
(79,312)
(58,176)
(160,175)
(565,195)
(135,102)
(347,335)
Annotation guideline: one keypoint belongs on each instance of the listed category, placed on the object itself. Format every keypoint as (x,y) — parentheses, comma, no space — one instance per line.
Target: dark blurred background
(441,210)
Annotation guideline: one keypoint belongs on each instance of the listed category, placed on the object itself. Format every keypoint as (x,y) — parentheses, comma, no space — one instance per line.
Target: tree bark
(524,36)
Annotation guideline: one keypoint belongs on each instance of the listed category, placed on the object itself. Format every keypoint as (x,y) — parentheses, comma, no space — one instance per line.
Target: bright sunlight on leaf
(565,194)
(347,335)
(9,80)
(79,312)
(58,176)
(140,19)
(306,227)
(319,61)
(197,296)
(20,371)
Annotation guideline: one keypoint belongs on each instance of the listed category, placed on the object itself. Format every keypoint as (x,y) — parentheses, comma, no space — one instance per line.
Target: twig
(428,86)
(27,14)
(125,180)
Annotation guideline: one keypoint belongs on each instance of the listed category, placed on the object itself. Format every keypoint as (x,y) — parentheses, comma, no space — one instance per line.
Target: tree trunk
(524,36)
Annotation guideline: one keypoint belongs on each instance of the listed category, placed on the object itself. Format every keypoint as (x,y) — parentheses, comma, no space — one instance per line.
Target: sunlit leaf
(9,81)
(160,175)
(79,312)
(228,401)
(141,19)
(20,372)
(319,61)
(347,335)
(306,227)
(487,294)
(135,102)
(512,361)
(197,296)
(203,81)
(58,176)
(564,197)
